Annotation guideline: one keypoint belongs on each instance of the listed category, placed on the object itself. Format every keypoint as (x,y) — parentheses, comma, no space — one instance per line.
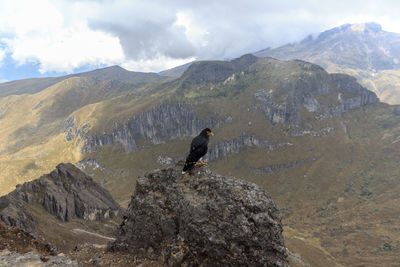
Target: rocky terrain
(19,248)
(204,219)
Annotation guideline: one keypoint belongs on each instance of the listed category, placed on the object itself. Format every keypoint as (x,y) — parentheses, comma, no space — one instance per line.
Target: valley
(322,145)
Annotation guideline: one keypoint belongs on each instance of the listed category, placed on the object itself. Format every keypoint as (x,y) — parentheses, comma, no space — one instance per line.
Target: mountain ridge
(362,50)
(35,85)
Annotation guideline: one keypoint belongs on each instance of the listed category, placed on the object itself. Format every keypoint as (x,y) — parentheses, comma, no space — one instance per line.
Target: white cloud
(62,35)
(66,49)
(39,31)
(195,33)
(2,55)
(155,64)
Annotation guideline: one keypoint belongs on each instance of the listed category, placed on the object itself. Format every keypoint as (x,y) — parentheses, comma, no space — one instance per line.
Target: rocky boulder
(66,193)
(203,219)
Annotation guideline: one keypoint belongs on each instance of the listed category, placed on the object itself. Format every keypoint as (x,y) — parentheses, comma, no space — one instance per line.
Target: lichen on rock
(203,219)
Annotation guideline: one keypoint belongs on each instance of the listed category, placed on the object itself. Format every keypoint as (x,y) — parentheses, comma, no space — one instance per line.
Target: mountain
(36,118)
(175,72)
(321,144)
(65,195)
(115,73)
(363,50)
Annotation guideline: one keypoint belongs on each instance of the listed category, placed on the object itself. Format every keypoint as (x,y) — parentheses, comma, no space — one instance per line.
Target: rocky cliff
(66,193)
(168,121)
(315,91)
(205,219)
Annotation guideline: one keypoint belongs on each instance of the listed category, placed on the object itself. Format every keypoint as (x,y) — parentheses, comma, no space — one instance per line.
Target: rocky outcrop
(285,105)
(223,148)
(281,167)
(201,220)
(93,163)
(66,193)
(168,121)
(216,71)
(322,132)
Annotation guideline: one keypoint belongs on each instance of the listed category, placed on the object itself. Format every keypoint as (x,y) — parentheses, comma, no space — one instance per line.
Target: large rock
(66,193)
(204,219)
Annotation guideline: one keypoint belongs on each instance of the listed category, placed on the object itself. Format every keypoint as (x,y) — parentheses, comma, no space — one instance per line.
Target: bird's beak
(212,134)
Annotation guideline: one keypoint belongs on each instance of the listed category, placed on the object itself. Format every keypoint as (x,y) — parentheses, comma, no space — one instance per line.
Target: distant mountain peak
(362,45)
(362,49)
(114,67)
(366,27)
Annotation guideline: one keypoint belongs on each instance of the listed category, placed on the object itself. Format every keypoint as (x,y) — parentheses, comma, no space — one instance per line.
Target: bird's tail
(188,166)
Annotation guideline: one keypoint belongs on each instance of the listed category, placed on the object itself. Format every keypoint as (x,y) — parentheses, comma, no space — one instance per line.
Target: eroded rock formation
(66,193)
(204,219)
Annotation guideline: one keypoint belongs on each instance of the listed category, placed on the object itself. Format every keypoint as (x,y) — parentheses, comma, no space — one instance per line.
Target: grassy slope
(30,131)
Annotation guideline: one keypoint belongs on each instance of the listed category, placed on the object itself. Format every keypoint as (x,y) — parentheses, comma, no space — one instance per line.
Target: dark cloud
(145,30)
(147,39)
(148,29)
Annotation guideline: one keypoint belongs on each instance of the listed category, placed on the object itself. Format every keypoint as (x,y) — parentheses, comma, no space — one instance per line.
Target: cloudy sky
(54,37)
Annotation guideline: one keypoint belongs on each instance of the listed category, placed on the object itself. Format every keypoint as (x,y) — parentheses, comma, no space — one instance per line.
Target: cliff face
(204,219)
(223,148)
(162,122)
(66,193)
(311,92)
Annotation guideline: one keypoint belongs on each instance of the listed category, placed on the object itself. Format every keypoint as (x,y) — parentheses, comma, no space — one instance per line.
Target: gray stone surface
(201,220)
(8,258)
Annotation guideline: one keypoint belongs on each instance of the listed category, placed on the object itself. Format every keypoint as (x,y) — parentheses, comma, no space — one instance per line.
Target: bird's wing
(198,142)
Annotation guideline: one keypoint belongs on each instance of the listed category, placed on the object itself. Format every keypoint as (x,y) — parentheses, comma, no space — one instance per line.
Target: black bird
(198,148)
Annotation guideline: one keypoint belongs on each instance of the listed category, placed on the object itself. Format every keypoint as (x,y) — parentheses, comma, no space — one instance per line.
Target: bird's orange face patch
(209,133)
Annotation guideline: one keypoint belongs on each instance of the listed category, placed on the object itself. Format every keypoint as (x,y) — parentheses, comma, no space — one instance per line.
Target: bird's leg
(200,163)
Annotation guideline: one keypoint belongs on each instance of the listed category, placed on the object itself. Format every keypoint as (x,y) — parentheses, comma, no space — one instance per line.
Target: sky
(57,37)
